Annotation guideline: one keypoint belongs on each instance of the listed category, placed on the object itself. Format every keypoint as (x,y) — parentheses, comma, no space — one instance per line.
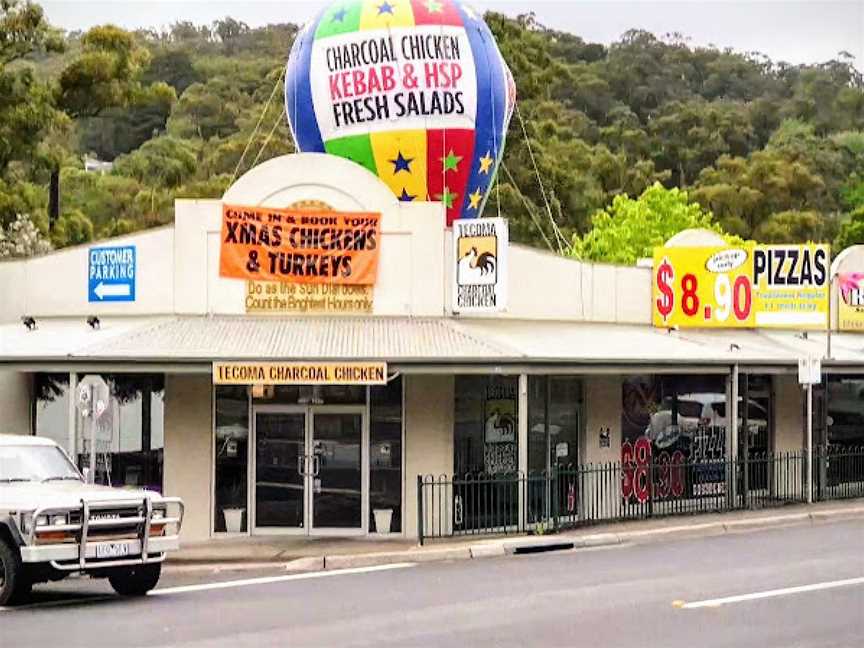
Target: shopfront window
(676,413)
(130,438)
(51,399)
(677,424)
(485,433)
(232,459)
(385,453)
(554,406)
(129,434)
(845,420)
(757,417)
(309,395)
(554,409)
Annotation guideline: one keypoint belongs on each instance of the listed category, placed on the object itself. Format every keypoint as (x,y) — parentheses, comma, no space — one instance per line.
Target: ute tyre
(14,584)
(135,581)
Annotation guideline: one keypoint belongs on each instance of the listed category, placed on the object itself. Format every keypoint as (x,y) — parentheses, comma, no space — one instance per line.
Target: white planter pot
(233,519)
(383,519)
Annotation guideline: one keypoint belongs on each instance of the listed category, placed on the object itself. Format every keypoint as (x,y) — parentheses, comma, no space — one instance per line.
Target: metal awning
(191,343)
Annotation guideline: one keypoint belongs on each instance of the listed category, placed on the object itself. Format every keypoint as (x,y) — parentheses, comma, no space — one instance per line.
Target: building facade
(571,374)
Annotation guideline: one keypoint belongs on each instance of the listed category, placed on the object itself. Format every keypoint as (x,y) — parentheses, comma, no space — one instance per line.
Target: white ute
(53,524)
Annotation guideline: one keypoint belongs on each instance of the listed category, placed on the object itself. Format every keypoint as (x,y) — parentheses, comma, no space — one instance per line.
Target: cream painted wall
(789,404)
(547,286)
(15,400)
(789,414)
(602,410)
(428,436)
(188,449)
(178,267)
(55,285)
(12,293)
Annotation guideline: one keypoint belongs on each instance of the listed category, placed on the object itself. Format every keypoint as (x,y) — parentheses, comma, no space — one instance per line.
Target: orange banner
(297,246)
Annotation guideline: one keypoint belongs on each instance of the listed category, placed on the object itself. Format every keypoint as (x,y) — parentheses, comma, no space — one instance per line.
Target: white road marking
(203,587)
(785,591)
(265,580)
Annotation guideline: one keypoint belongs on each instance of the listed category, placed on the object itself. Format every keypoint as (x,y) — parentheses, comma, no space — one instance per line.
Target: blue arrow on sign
(111,274)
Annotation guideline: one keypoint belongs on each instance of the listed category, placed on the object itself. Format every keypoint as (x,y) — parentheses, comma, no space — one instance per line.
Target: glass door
(310,469)
(337,474)
(280,469)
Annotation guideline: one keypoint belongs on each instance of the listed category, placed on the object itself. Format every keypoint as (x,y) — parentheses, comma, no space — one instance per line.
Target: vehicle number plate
(112,550)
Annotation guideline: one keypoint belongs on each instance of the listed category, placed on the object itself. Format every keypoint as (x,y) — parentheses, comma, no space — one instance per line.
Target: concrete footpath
(315,554)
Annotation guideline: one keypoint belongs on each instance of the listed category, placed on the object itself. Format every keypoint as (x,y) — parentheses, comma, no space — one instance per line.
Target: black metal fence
(586,494)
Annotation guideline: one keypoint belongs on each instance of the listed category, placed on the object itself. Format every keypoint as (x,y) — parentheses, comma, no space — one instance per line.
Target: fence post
(809,443)
(420,516)
(651,486)
(522,449)
(556,487)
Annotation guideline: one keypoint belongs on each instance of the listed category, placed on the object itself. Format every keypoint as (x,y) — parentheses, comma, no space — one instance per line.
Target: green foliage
(105,199)
(774,151)
(72,228)
(791,226)
(26,109)
(24,31)
(851,231)
(105,74)
(22,239)
(630,229)
(164,161)
(19,198)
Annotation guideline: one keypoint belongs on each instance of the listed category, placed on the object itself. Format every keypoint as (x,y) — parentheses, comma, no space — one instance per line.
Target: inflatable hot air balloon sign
(414,90)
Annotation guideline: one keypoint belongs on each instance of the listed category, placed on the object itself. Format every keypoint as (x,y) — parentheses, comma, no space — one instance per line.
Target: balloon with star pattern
(414,90)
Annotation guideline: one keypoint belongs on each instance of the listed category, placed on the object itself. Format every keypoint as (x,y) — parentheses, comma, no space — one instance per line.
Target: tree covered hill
(774,152)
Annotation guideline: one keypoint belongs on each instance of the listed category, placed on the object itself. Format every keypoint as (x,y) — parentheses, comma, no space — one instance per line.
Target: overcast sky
(792,31)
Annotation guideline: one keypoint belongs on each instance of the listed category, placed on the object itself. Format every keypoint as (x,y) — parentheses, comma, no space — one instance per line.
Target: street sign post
(93,395)
(809,374)
(111,274)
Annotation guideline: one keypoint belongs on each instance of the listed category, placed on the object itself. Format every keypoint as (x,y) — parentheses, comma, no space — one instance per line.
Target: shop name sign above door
(299,373)
(747,286)
(480,254)
(297,246)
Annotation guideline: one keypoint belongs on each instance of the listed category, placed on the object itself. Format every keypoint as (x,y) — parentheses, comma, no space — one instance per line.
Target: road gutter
(498,547)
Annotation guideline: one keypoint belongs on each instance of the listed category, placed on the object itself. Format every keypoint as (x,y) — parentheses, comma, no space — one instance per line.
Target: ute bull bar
(83,554)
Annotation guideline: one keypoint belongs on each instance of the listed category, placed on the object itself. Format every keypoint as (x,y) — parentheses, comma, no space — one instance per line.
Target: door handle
(301,465)
(316,465)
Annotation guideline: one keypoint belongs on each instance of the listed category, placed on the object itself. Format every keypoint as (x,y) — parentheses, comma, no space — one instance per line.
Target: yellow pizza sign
(751,286)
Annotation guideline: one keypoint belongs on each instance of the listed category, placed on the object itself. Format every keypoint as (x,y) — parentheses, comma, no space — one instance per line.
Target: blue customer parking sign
(111,274)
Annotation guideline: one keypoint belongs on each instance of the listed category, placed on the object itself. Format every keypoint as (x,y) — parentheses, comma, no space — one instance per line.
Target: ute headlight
(158,514)
(59,520)
(42,520)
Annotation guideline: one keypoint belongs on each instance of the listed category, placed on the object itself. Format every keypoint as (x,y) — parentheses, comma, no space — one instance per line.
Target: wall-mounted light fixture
(29,322)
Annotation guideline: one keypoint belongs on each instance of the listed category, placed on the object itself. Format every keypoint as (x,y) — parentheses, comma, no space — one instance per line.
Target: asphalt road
(669,595)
